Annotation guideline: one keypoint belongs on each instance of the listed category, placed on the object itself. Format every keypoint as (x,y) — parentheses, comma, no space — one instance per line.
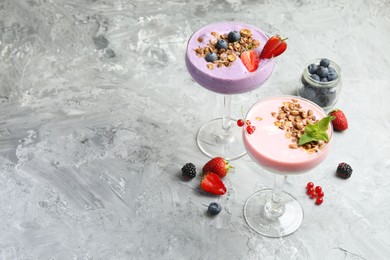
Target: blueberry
(211,56)
(324,79)
(309,93)
(315,77)
(221,44)
(214,208)
(322,71)
(332,76)
(312,68)
(331,69)
(234,36)
(324,63)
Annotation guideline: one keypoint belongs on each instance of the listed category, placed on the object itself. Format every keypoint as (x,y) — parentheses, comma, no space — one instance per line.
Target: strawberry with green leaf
(217,165)
(316,132)
(339,122)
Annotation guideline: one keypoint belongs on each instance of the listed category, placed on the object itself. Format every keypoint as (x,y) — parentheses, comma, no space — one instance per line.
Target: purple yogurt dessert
(234,79)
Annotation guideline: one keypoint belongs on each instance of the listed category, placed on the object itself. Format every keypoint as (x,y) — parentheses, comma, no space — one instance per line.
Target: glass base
(214,141)
(266,224)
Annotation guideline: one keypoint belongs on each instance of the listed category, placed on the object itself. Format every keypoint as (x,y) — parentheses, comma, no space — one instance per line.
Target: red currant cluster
(315,192)
(249,127)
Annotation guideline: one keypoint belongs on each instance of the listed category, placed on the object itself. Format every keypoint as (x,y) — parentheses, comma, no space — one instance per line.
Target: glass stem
(226,113)
(274,207)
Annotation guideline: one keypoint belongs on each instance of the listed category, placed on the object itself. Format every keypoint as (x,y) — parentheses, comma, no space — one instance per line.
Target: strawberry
(217,165)
(273,47)
(250,59)
(339,121)
(213,184)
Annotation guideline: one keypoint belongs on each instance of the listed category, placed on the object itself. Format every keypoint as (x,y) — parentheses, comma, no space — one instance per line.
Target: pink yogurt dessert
(226,80)
(269,146)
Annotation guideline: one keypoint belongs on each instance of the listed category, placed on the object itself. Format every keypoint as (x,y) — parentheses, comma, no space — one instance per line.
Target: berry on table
(310,191)
(211,56)
(310,185)
(212,183)
(217,165)
(319,201)
(234,36)
(344,170)
(214,208)
(315,192)
(339,122)
(188,170)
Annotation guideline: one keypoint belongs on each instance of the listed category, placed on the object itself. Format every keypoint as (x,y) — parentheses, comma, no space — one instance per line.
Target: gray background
(98,115)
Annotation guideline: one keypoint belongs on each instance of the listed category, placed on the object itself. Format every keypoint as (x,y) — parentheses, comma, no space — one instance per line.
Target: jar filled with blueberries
(321,83)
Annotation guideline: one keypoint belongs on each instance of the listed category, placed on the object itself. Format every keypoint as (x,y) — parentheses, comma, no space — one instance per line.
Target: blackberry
(344,170)
(214,208)
(188,170)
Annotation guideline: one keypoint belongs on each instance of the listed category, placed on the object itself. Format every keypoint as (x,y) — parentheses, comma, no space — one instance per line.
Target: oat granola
(293,119)
(225,57)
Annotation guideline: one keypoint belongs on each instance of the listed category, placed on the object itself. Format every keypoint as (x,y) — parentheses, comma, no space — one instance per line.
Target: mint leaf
(324,123)
(322,136)
(305,138)
(316,132)
(311,129)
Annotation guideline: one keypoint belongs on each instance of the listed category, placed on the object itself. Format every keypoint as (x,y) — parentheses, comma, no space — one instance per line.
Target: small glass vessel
(324,94)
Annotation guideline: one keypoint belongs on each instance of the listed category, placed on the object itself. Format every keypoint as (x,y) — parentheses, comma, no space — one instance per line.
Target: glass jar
(321,91)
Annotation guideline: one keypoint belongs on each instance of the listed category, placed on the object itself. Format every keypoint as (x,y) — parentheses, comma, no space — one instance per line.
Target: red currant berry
(310,185)
(320,194)
(313,195)
(309,191)
(318,189)
(250,129)
(248,122)
(240,122)
(319,201)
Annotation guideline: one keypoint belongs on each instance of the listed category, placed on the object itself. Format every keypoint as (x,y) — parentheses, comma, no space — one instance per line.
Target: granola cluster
(225,57)
(293,119)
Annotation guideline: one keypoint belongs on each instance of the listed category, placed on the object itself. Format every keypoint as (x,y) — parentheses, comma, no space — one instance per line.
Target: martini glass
(221,136)
(273,212)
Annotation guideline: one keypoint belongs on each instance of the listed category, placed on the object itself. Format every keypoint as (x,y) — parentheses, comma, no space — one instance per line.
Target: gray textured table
(98,115)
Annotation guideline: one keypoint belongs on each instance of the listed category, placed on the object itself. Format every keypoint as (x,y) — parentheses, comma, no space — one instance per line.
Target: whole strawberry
(217,165)
(339,122)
